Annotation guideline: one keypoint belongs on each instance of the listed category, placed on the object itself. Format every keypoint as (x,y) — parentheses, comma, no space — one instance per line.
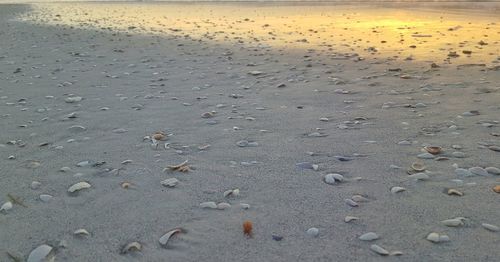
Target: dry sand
(366,115)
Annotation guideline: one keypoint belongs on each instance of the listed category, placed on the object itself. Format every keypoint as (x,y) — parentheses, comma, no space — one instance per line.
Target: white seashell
(78,186)
(45,197)
(490,227)
(419,176)
(165,238)
(313,232)
(170,182)
(369,236)
(348,219)
(455,222)
(244,206)
(433,237)
(232,192)
(128,161)
(131,247)
(396,253)
(329,179)
(359,198)
(379,250)
(211,205)
(41,253)
(223,206)
(397,189)
(6,206)
(350,202)
(81,232)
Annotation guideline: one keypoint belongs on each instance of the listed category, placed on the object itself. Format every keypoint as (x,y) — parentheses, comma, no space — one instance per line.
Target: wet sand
(270,117)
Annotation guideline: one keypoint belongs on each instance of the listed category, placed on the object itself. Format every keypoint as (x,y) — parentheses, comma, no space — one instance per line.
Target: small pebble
(379,250)
(312,232)
(370,236)
(490,227)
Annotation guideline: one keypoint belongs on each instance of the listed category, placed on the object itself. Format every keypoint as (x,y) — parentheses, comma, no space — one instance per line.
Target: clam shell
(211,205)
(78,186)
(348,219)
(81,232)
(131,247)
(41,253)
(397,189)
(490,227)
(417,166)
(369,236)
(165,238)
(433,149)
(6,206)
(454,222)
(379,250)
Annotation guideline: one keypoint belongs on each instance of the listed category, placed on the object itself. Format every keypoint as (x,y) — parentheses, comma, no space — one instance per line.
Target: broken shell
(453,191)
(379,250)
(433,149)
(490,227)
(210,204)
(41,253)
(165,238)
(6,206)
(436,238)
(78,186)
(417,166)
(351,203)
(131,247)
(232,192)
(397,189)
(126,185)
(170,182)
(81,232)
(369,236)
(348,219)
(359,198)
(223,206)
(182,167)
(454,222)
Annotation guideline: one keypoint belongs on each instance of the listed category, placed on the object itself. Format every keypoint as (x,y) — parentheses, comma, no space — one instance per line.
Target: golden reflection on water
(423,34)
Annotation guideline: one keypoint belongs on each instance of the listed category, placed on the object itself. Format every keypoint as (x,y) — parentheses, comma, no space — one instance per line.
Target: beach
(317,123)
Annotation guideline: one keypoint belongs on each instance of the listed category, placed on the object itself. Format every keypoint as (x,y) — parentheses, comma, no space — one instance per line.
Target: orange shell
(495,188)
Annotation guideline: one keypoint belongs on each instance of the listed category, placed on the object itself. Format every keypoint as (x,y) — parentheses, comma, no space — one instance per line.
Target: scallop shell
(78,186)
(165,238)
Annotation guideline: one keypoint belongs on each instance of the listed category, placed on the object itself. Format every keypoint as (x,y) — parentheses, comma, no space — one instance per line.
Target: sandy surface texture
(335,146)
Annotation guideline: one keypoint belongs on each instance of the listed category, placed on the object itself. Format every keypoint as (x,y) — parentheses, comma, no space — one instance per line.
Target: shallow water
(422,32)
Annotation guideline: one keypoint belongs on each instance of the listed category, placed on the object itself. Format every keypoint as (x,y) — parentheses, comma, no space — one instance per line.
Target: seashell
(490,227)
(81,232)
(165,238)
(232,192)
(455,192)
(313,232)
(41,253)
(45,197)
(454,222)
(359,198)
(348,219)
(223,206)
(247,228)
(478,171)
(126,185)
(493,170)
(131,247)
(170,182)
(496,189)
(244,206)
(379,250)
(436,238)
(418,166)
(433,149)
(210,204)
(369,236)
(351,203)
(329,179)
(396,253)
(159,136)
(419,176)
(6,206)
(397,189)
(128,161)
(207,115)
(182,167)
(78,186)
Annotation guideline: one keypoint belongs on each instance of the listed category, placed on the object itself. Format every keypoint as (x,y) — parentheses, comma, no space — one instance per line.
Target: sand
(308,103)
